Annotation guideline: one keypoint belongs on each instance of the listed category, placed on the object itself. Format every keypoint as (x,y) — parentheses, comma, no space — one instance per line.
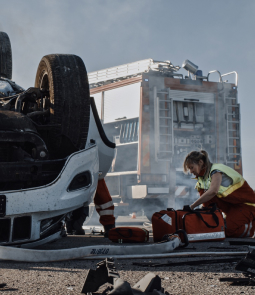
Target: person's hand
(186,208)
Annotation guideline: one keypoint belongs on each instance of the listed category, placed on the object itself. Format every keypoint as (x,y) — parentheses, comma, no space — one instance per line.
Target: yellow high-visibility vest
(237,179)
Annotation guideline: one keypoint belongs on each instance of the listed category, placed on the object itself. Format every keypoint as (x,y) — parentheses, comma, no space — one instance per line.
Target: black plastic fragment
(121,288)
(150,284)
(2,285)
(239,281)
(104,273)
(191,262)
(249,243)
(109,288)
(187,249)
(223,248)
(247,264)
(234,279)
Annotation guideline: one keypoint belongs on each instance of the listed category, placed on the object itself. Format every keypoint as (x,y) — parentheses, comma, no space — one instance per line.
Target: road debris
(192,262)
(241,242)
(2,285)
(106,273)
(247,265)
(239,281)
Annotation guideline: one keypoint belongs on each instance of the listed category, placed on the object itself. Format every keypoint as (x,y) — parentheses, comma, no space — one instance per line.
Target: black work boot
(107,228)
(76,222)
(69,227)
(79,232)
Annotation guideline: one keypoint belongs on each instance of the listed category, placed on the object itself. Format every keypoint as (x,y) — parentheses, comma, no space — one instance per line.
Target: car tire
(5,56)
(65,78)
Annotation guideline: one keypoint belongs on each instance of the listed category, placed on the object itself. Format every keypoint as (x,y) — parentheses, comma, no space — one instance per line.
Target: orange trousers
(240,218)
(104,204)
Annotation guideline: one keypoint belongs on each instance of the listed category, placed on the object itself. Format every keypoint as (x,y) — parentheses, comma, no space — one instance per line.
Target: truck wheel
(5,56)
(64,78)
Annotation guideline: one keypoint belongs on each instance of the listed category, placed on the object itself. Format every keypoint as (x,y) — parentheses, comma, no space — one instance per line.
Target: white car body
(54,199)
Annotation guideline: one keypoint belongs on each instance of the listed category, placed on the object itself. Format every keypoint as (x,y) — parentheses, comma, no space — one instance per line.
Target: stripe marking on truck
(146,150)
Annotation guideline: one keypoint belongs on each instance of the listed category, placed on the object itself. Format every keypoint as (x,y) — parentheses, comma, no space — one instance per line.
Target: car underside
(25,159)
(49,158)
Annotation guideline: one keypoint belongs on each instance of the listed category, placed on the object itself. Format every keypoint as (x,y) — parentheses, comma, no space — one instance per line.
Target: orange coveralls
(240,217)
(104,204)
(105,209)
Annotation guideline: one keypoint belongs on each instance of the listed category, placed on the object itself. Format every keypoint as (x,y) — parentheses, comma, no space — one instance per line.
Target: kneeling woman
(220,184)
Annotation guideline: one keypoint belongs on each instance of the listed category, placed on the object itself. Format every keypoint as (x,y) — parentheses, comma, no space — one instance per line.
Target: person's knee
(235,230)
(234,226)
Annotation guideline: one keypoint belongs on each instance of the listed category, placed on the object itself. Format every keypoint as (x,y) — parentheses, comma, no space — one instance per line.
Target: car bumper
(55,199)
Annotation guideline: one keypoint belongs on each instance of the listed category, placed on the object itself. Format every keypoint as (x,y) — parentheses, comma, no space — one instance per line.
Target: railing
(236,76)
(215,71)
(131,69)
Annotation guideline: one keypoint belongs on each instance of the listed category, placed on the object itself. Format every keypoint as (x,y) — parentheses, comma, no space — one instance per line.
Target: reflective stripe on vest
(237,179)
(106,212)
(105,205)
(206,236)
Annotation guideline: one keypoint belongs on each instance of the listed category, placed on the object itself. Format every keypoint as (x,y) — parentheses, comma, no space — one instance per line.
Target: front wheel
(5,56)
(63,77)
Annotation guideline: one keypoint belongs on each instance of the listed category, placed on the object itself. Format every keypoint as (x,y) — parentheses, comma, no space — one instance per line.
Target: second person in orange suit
(104,206)
(220,184)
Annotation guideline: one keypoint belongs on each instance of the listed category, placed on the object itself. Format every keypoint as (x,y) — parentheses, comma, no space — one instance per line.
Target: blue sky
(105,33)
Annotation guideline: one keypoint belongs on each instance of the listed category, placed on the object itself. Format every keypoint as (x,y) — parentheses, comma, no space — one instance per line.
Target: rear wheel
(64,78)
(5,56)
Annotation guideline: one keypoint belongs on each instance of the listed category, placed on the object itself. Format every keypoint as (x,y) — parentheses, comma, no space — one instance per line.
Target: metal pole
(102,107)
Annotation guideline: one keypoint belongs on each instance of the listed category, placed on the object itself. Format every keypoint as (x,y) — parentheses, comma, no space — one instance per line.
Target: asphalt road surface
(67,277)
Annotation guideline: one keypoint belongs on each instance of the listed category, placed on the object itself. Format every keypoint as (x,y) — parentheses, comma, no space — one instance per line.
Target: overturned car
(53,148)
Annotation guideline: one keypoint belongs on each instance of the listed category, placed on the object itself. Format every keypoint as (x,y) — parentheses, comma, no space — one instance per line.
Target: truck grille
(5,229)
(21,228)
(4,152)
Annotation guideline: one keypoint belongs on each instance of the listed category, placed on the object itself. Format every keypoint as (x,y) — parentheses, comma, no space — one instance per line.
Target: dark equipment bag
(128,235)
(206,224)
(163,223)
